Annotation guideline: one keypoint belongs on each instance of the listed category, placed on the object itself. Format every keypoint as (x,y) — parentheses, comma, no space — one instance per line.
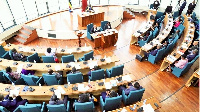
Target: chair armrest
(60,81)
(102,103)
(68,106)
(43,109)
(41,81)
(108,73)
(81,59)
(17,109)
(124,96)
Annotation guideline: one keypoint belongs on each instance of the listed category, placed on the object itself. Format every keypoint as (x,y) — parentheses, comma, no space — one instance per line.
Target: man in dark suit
(191,7)
(56,101)
(192,55)
(168,9)
(156,3)
(107,26)
(94,29)
(182,7)
(130,88)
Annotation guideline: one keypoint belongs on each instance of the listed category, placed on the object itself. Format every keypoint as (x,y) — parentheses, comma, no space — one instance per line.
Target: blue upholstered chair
(2,77)
(155,32)
(31,108)
(193,16)
(97,75)
(32,80)
(16,82)
(87,56)
(178,72)
(159,20)
(33,57)
(2,51)
(133,96)
(158,15)
(110,103)
(10,54)
(149,38)
(89,27)
(176,14)
(3,109)
(103,23)
(181,28)
(75,78)
(68,58)
(115,71)
(84,107)
(6,56)
(157,57)
(171,45)
(59,108)
(52,80)
(151,6)
(48,59)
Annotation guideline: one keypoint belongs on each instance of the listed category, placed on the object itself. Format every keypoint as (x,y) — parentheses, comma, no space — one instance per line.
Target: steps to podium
(128,14)
(26,34)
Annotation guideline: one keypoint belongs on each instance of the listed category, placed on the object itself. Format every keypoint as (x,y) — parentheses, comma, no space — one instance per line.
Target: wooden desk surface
(144,28)
(105,33)
(85,14)
(161,36)
(43,92)
(150,101)
(41,50)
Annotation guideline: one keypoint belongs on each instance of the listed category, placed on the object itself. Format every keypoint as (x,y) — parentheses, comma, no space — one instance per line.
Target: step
(20,40)
(25,32)
(28,27)
(23,36)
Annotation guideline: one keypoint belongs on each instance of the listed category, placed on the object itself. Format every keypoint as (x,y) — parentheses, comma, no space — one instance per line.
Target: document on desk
(108,85)
(171,58)
(19,68)
(61,90)
(57,67)
(57,93)
(113,83)
(179,52)
(108,59)
(72,64)
(126,78)
(148,108)
(81,87)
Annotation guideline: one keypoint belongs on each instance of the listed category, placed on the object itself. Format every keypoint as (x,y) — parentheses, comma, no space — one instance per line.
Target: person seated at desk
(152,52)
(192,54)
(144,38)
(57,101)
(86,97)
(130,87)
(191,7)
(156,4)
(14,75)
(50,53)
(107,26)
(179,64)
(11,102)
(168,10)
(182,7)
(73,71)
(165,44)
(108,94)
(18,56)
(89,8)
(93,69)
(195,46)
(177,22)
(51,72)
(155,26)
(94,29)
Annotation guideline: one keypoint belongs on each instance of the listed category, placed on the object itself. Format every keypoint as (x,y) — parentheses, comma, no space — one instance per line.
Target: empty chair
(115,71)
(84,107)
(149,38)
(2,78)
(48,59)
(59,108)
(151,6)
(133,96)
(89,27)
(2,51)
(75,78)
(68,58)
(155,32)
(31,108)
(159,14)
(97,75)
(3,109)
(194,16)
(103,23)
(33,57)
(16,82)
(178,72)
(32,80)
(52,80)
(110,103)
(176,14)
(10,54)
(157,57)
(87,56)
(181,28)
(6,55)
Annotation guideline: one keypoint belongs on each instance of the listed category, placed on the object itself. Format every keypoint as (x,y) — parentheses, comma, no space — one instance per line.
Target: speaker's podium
(86,18)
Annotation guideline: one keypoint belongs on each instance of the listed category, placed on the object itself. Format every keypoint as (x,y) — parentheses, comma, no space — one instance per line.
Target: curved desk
(41,50)
(44,94)
(168,24)
(144,28)
(42,68)
(150,101)
(188,36)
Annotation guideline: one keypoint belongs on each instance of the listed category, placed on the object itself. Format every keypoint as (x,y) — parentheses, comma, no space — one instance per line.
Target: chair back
(112,103)
(159,14)
(30,79)
(67,59)
(181,28)
(10,54)
(2,51)
(89,55)
(29,108)
(135,96)
(6,55)
(176,14)
(84,107)
(48,59)
(2,78)
(75,78)
(193,16)
(50,79)
(97,75)
(3,109)
(33,57)
(103,23)
(155,32)
(8,77)
(117,70)
(56,108)
(89,27)
(151,6)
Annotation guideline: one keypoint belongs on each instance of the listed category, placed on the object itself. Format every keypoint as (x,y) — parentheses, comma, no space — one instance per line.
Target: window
(30,8)
(64,4)
(53,5)
(42,6)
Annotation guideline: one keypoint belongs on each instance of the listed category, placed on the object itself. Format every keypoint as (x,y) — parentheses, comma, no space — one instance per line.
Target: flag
(70,6)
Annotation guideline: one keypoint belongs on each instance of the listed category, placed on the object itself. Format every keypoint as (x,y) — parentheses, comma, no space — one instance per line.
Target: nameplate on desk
(52,35)
(48,66)
(62,50)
